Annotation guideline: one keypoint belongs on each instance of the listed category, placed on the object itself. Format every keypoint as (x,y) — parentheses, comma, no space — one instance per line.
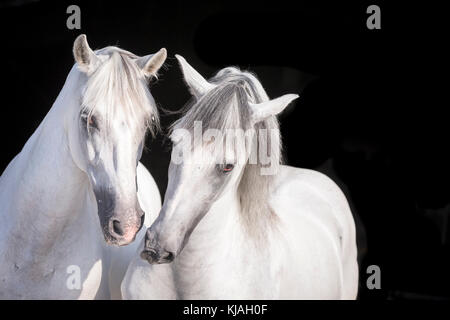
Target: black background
(371,113)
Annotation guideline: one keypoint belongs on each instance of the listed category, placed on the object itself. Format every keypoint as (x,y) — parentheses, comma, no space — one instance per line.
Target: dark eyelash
(93,122)
(225,168)
(89,121)
(228,167)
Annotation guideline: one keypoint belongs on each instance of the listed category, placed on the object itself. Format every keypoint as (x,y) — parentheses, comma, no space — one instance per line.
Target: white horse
(80,166)
(236,228)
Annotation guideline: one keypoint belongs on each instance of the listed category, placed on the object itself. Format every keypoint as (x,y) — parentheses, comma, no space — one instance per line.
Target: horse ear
(151,63)
(197,85)
(261,111)
(83,54)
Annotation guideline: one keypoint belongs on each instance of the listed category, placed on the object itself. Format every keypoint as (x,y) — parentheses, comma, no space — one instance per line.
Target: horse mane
(118,85)
(227,107)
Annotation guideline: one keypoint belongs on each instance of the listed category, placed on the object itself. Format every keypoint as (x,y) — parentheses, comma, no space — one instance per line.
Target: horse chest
(68,268)
(233,273)
(69,278)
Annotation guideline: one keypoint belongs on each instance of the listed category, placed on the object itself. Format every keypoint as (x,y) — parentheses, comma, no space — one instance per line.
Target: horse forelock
(118,87)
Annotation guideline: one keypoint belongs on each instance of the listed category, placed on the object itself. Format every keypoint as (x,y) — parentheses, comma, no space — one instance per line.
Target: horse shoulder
(313,193)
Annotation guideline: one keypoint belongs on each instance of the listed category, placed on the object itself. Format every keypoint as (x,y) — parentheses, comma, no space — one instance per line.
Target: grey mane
(227,107)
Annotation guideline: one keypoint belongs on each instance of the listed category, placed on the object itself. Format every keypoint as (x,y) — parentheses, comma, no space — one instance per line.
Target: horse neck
(224,229)
(44,189)
(221,249)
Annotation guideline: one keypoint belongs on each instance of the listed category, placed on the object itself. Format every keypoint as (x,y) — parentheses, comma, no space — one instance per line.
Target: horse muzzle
(153,252)
(122,231)
(157,256)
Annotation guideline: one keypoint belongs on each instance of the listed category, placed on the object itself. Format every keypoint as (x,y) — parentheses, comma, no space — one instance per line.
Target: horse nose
(117,229)
(151,255)
(157,255)
(153,252)
(122,232)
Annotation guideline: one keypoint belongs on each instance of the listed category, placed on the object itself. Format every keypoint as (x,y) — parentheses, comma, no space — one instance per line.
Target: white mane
(118,85)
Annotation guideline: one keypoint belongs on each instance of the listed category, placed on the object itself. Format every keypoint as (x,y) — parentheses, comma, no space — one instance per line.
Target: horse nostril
(150,255)
(169,257)
(117,228)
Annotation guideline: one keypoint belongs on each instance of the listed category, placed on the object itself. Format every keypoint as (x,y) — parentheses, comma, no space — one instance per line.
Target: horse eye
(92,122)
(227,168)
(89,121)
